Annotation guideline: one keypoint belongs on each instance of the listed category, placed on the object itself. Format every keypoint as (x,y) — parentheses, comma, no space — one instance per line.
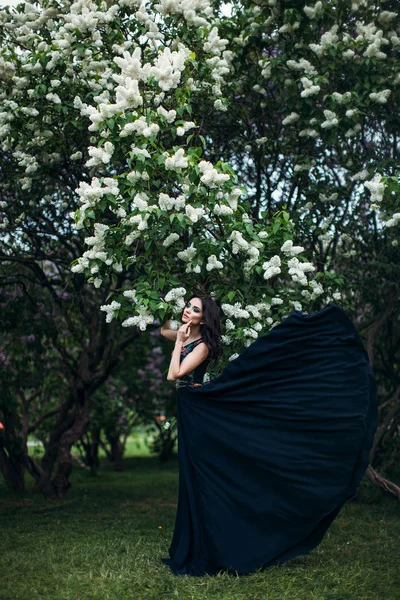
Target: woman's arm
(168,333)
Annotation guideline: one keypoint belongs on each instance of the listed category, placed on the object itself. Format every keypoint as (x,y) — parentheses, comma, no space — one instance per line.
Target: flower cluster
(176,298)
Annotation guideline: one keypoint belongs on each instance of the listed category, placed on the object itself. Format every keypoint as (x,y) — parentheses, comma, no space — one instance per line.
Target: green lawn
(104,542)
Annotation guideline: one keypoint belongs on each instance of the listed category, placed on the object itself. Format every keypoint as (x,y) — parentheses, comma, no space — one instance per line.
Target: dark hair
(211,329)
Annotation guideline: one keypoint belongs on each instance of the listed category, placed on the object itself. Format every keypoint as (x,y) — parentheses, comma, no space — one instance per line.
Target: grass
(104,542)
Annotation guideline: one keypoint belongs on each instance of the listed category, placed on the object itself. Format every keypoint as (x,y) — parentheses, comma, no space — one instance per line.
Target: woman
(271,449)
(197,343)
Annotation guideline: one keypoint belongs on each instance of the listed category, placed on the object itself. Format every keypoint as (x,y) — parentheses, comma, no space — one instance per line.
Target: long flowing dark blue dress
(271,449)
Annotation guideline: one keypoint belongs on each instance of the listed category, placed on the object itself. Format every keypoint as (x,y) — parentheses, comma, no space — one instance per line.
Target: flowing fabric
(271,449)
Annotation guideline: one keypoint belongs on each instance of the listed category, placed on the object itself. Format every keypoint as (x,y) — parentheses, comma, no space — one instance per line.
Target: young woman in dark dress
(271,449)
(197,342)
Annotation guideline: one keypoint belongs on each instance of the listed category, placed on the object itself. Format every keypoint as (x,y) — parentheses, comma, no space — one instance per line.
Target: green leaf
(111,124)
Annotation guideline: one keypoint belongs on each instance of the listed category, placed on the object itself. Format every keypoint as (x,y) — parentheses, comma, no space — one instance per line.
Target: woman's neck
(195,334)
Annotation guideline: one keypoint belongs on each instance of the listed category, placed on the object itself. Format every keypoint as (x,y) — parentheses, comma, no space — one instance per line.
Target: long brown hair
(211,328)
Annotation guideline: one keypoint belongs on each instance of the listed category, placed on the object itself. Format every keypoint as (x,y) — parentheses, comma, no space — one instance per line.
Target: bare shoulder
(201,349)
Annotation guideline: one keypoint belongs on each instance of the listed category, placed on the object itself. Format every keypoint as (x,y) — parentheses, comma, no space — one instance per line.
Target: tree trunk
(385,484)
(117,450)
(68,439)
(94,450)
(71,425)
(12,470)
(12,451)
(167,448)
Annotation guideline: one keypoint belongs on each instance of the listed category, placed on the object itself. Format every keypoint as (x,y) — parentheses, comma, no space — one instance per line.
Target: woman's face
(193,311)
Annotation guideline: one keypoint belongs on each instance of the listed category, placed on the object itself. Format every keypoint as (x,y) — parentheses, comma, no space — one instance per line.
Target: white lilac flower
(210,176)
(296,305)
(213,263)
(222,210)
(298,269)
(327,39)
(272,267)
(276,301)
(254,310)
(215,44)
(140,151)
(235,310)
(352,132)
(250,332)
(290,118)
(302,65)
(166,202)
(254,254)
(308,133)
(131,294)
(177,160)
(194,214)
(317,289)
(331,119)
(188,254)
(233,357)
(311,11)
(349,53)
(175,294)
(376,187)
(131,237)
(53,98)
(173,237)
(238,242)
(141,127)
(380,97)
(229,325)
(393,221)
(169,115)
(141,320)
(140,221)
(309,88)
(168,67)
(110,309)
(100,155)
(289,249)
(232,198)
(140,201)
(342,98)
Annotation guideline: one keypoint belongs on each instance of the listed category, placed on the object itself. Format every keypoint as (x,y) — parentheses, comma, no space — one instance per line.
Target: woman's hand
(184,332)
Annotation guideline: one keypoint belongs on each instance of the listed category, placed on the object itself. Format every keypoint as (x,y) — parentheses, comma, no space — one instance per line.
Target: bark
(90,449)
(70,426)
(167,448)
(385,484)
(12,450)
(117,449)
(392,414)
(12,470)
